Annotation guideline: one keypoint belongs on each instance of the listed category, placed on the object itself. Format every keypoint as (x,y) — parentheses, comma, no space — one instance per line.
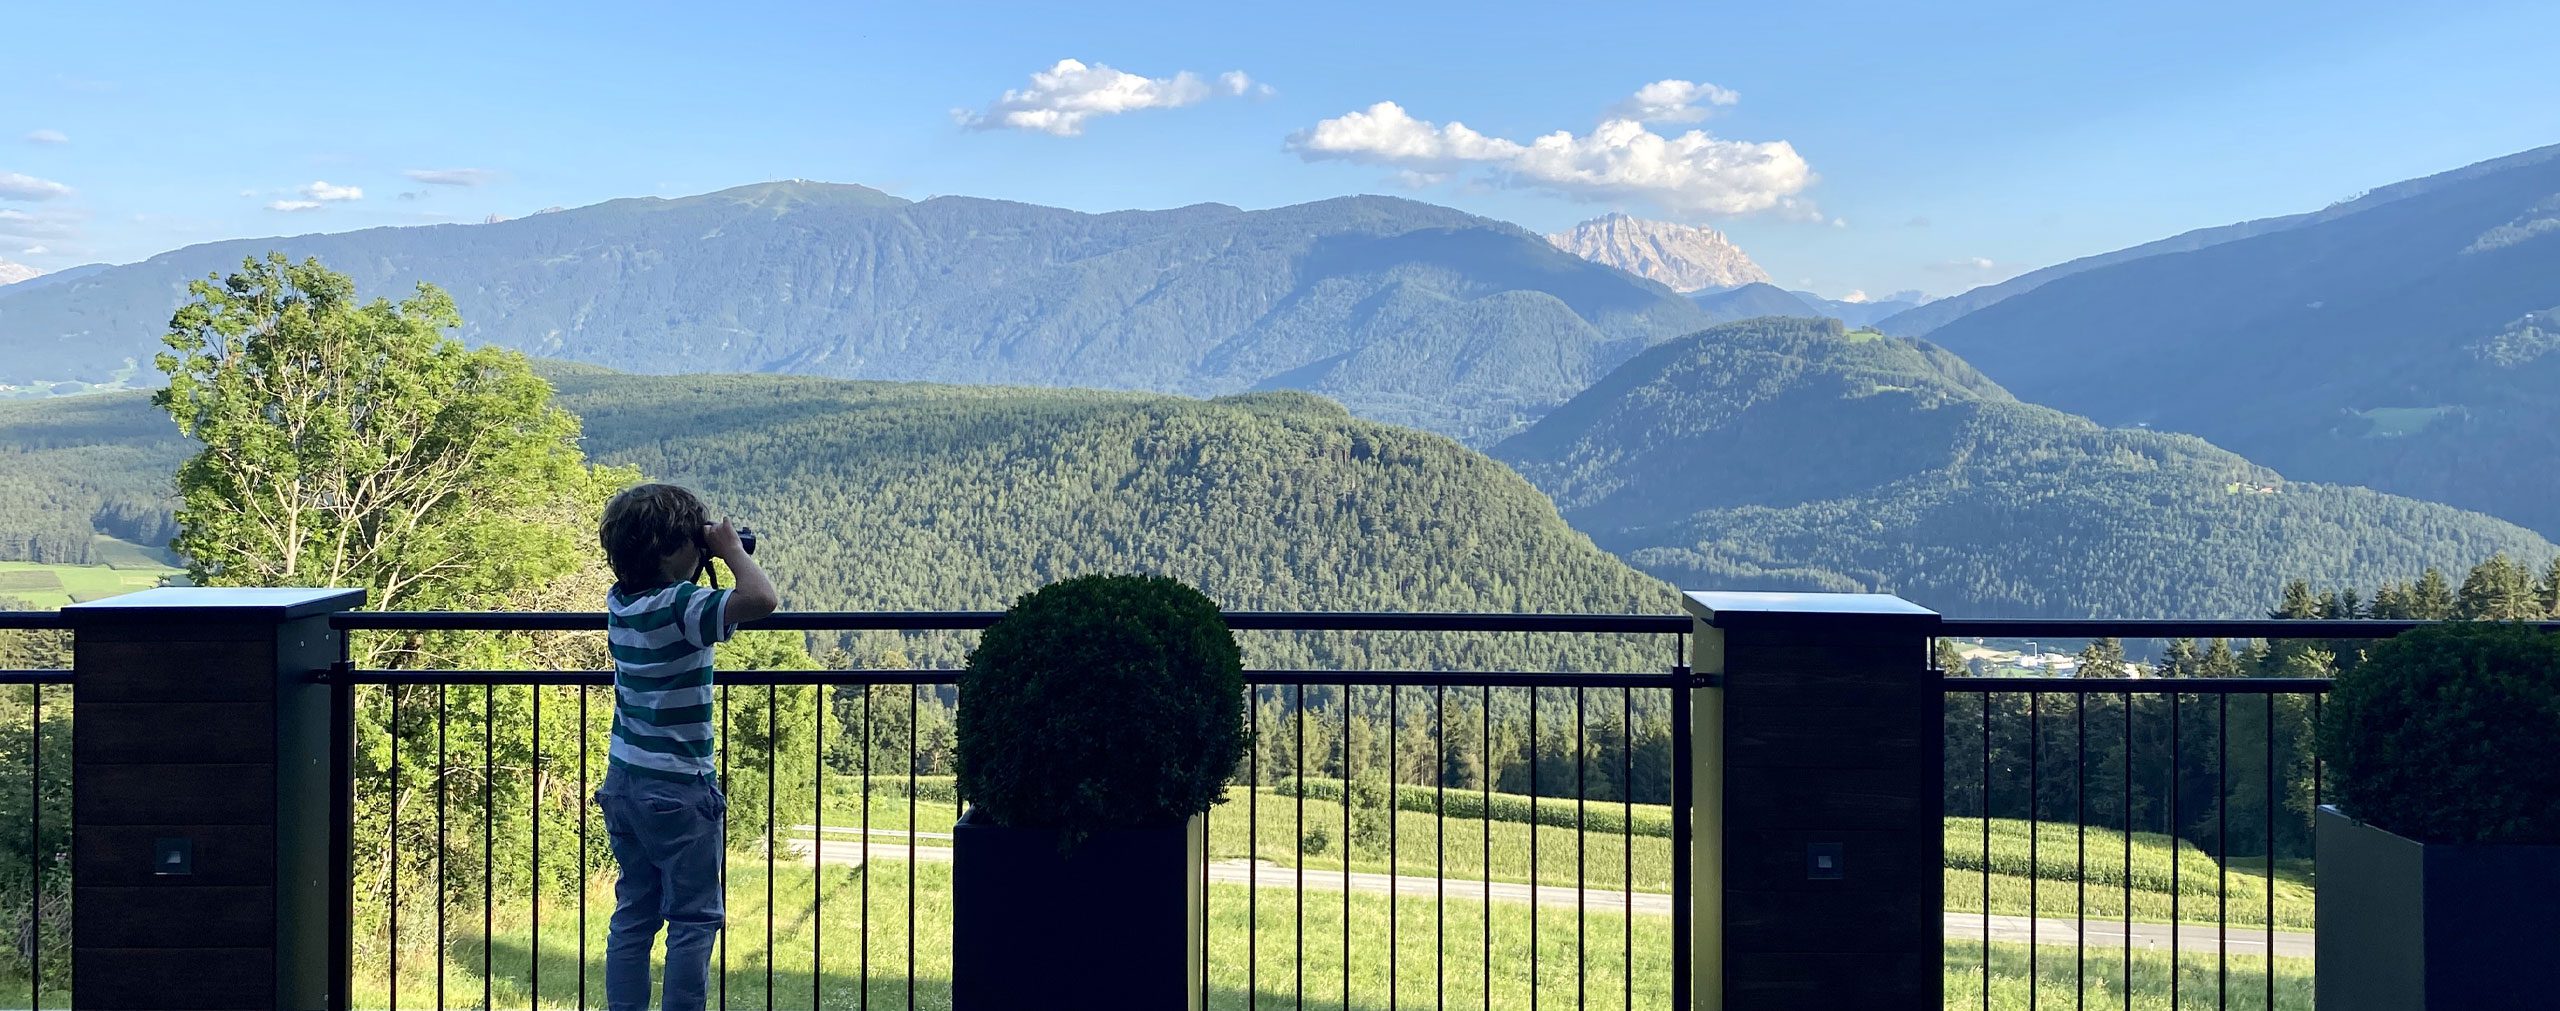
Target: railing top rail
(920,621)
(52,676)
(947,676)
(1958,685)
(2141,628)
(32,620)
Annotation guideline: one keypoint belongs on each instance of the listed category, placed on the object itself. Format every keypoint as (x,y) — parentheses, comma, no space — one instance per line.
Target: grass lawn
(815,960)
(1274,818)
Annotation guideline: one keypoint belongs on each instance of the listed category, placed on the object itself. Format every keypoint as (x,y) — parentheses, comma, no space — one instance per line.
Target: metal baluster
(2176,748)
(1253,863)
(444,844)
(818,850)
(2080,876)
(2271,851)
(2125,772)
(1986,853)
(1627,840)
(35,845)
(724,840)
(914,691)
(1581,860)
(1298,828)
(2035,835)
(772,779)
(1683,793)
(2222,851)
(488,845)
(1395,810)
(1342,700)
(1534,867)
(586,757)
(1439,846)
(534,970)
(1485,818)
(868,690)
(395,847)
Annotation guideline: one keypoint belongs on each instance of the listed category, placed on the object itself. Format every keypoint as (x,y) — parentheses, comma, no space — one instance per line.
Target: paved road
(845,848)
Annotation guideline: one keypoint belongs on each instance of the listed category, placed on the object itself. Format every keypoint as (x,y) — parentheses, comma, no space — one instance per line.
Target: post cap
(1764,609)
(241,603)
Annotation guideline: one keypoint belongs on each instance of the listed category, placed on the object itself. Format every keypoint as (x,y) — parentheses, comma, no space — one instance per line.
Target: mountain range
(1685,257)
(12,273)
(2402,341)
(1794,454)
(1405,311)
(1920,320)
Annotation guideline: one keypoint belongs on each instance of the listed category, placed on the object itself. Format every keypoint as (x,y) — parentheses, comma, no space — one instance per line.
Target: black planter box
(2405,925)
(1114,923)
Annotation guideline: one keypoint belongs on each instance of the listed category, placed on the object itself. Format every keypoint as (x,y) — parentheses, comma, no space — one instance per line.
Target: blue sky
(1847,146)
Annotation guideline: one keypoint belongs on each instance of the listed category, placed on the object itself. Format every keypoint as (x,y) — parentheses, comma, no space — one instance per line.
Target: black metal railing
(1414,927)
(2164,781)
(35,756)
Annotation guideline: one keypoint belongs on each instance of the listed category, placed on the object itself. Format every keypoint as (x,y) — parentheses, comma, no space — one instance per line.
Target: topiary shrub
(2445,735)
(1101,702)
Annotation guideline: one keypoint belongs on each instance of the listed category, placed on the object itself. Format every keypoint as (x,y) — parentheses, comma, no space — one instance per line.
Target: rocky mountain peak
(1686,257)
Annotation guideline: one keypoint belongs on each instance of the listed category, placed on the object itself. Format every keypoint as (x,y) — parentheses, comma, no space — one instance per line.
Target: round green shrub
(2445,735)
(1101,702)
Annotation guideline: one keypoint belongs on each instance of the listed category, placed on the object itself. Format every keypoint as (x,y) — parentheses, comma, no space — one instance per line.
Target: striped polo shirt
(661,638)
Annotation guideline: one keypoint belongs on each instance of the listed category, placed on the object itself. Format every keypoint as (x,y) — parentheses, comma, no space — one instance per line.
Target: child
(662,803)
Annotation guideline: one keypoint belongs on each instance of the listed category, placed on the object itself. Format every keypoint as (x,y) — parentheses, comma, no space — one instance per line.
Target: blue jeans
(667,837)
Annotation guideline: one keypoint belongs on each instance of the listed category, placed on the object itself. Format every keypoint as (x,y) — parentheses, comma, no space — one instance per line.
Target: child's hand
(722,539)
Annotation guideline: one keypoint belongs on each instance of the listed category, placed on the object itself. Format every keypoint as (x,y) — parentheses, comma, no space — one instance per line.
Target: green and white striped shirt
(661,639)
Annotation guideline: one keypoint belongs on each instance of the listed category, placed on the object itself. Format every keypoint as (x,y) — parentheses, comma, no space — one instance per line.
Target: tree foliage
(353,443)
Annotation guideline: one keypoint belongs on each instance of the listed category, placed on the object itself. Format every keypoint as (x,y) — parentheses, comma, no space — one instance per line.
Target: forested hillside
(2403,346)
(1793,454)
(74,467)
(908,496)
(1405,311)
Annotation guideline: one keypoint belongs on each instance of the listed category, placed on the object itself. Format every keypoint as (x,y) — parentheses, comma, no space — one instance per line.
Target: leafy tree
(2104,658)
(2180,660)
(2499,590)
(353,443)
(2432,598)
(1948,657)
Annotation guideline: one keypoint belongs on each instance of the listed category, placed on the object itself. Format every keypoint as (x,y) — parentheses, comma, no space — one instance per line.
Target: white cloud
(1619,160)
(452,177)
(1061,98)
(1673,101)
(20,186)
(48,137)
(35,250)
(1236,83)
(293,205)
(1419,180)
(1854,296)
(1965,263)
(38,224)
(327,192)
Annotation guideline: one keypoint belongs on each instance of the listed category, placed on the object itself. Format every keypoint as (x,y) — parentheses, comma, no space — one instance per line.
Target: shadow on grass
(794,987)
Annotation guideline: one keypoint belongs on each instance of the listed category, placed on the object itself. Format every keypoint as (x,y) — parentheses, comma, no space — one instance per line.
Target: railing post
(202,800)
(1818,792)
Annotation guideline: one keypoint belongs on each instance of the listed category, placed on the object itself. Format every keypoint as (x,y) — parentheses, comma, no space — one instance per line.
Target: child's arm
(754,596)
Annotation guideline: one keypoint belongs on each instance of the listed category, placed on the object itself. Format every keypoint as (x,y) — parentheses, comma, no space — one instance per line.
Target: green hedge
(1597,816)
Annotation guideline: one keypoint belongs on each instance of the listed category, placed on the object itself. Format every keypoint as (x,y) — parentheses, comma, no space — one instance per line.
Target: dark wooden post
(201,799)
(1818,803)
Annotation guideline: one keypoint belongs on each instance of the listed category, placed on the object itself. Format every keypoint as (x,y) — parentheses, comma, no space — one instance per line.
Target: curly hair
(646,523)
